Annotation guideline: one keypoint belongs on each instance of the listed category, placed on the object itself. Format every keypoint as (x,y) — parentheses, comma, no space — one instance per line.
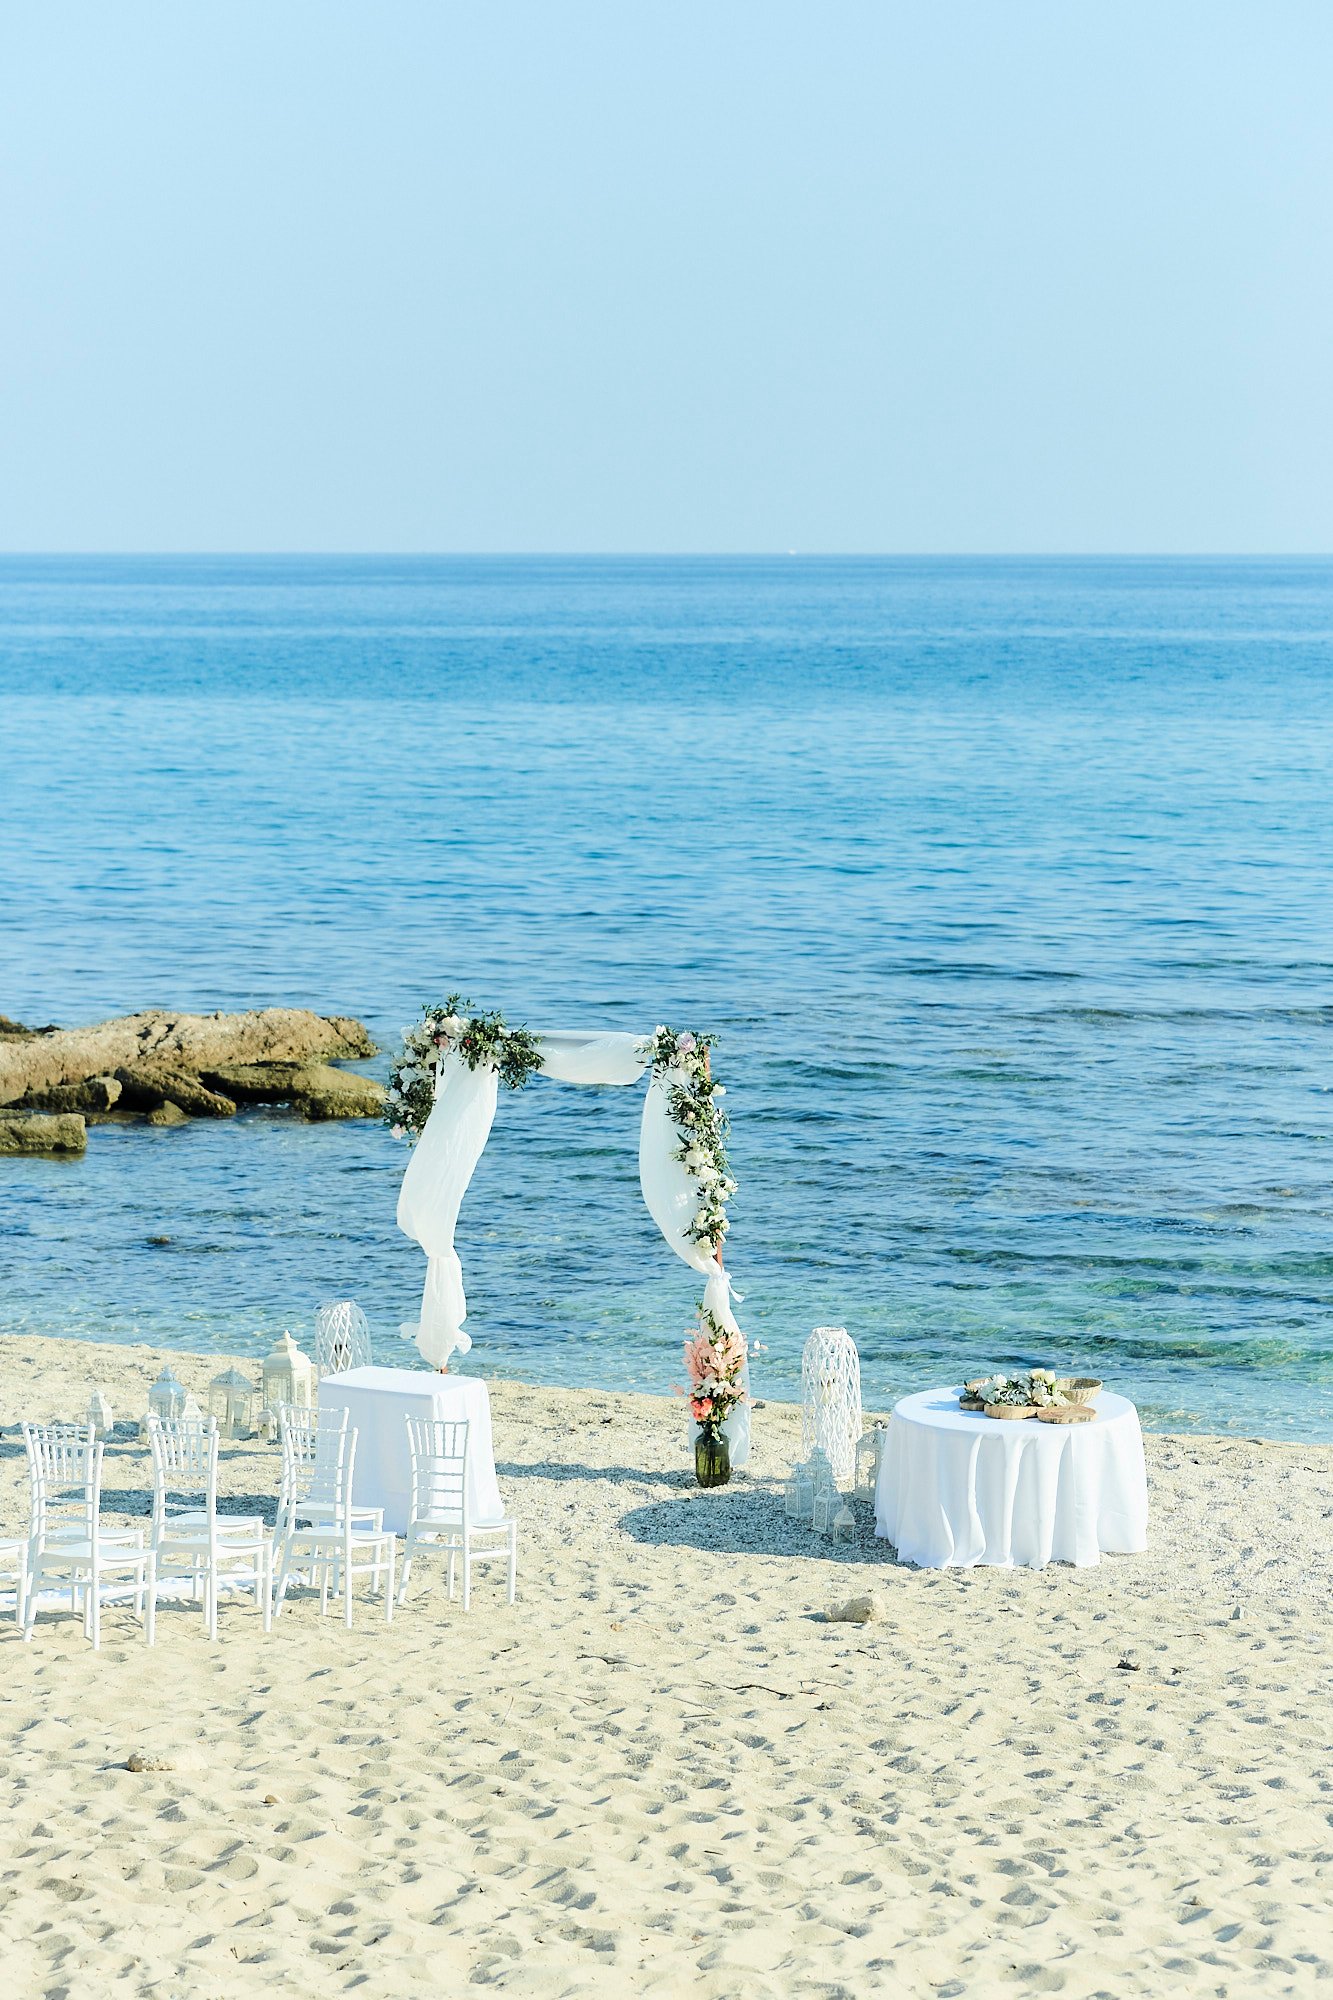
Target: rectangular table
(377,1400)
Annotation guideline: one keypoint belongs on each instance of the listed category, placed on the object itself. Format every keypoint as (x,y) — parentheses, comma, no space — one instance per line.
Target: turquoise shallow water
(1006,884)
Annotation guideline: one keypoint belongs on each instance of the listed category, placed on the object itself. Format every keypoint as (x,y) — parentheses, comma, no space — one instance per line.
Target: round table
(959,1487)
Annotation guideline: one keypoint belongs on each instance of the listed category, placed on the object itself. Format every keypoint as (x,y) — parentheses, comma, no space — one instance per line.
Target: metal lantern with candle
(230,1396)
(289,1377)
(166,1398)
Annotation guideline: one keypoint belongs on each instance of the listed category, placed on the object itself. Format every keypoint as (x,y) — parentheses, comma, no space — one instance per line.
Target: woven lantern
(831,1398)
(342,1338)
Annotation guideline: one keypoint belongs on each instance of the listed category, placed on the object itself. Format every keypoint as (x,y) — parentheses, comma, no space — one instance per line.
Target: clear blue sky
(715,274)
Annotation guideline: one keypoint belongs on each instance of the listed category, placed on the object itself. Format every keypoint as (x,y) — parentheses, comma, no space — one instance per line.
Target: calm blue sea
(1008,886)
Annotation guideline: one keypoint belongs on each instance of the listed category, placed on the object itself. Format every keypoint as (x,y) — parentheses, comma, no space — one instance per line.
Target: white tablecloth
(377,1401)
(959,1487)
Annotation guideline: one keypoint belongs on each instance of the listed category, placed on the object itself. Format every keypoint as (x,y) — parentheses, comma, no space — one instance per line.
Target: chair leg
(406,1572)
(264,1583)
(95,1610)
(284,1575)
(451,1572)
(347,1588)
(513,1560)
(467,1574)
(391,1552)
(150,1603)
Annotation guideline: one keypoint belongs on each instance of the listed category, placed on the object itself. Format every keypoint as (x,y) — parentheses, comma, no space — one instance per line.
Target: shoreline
(662,1770)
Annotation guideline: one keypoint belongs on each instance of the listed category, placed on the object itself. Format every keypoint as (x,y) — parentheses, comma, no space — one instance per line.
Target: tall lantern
(289,1377)
(831,1398)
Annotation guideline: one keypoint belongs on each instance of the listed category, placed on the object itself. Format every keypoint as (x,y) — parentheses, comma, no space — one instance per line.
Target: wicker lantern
(831,1398)
(342,1338)
(229,1398)
(166,1398)
(289,1377)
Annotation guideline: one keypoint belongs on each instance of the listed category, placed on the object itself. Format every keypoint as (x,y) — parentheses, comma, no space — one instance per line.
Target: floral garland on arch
(682,1063)
(479,1040)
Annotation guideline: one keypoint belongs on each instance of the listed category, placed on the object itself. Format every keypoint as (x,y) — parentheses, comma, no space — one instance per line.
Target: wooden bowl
(1011,1413)
(970,1403)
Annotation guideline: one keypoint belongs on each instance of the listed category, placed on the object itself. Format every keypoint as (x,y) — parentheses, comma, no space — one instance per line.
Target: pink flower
(685,1043)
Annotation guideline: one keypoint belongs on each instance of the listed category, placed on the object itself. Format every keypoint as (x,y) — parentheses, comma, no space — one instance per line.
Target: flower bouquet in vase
(715,1364)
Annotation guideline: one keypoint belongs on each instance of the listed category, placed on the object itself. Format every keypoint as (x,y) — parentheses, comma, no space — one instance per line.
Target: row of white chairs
(321,1539)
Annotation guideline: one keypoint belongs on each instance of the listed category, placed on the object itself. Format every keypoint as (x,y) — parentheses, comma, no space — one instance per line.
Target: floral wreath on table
(482,1041)
(683,1065)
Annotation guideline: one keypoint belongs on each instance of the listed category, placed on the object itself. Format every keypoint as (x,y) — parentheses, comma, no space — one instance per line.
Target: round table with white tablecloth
(377,1401)
(959,1487)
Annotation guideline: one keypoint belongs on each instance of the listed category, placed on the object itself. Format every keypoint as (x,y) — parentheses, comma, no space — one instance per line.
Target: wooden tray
(1011,1413)
(1067,1413)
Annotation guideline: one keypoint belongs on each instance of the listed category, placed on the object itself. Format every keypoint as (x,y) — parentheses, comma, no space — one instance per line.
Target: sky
(717,276)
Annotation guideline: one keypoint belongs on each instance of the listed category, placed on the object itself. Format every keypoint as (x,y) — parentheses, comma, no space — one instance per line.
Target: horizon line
(668,555)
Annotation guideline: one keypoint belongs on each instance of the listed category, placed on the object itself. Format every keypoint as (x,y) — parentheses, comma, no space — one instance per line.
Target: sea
(1005,885)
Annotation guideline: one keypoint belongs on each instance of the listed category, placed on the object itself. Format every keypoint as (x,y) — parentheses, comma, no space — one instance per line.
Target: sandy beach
(663,1771)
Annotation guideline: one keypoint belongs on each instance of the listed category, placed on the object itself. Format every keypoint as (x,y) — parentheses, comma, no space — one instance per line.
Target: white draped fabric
(957,1487)
(443,1162)
(445,1158)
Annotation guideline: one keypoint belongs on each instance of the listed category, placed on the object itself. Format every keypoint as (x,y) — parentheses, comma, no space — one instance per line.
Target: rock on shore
(173,1066)
(42,1132)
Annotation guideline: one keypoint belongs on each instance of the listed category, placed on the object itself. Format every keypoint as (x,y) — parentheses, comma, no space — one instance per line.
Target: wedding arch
(443,1094)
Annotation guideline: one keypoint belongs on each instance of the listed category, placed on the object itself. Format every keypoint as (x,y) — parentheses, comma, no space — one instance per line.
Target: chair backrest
(65,1475)
(439,1468)
(309,1450)
(185,1463)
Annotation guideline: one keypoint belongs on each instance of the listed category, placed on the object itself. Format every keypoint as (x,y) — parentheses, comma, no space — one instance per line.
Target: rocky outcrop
(167,1113)
(322,1092)
(255,1083)
(317,1090)
(38,1061)
(145,1088)
(93,1095)
(41,1132)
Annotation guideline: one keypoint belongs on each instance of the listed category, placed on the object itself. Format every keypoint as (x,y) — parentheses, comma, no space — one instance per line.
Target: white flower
(452,1024)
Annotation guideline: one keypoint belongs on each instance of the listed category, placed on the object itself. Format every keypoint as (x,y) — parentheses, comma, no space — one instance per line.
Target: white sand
(662,1773)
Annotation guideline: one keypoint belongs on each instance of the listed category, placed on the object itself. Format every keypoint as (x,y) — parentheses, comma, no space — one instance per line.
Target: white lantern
(342,1338)
(289,1377)
(192,1411)
(844,1524)
(101,1416)
(831,1398)
(868,1452)
(229,1398)
(824,1498)
(791,1494)
(166,1398)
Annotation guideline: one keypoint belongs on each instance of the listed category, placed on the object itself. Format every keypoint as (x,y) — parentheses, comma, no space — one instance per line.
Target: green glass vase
(712,1459)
